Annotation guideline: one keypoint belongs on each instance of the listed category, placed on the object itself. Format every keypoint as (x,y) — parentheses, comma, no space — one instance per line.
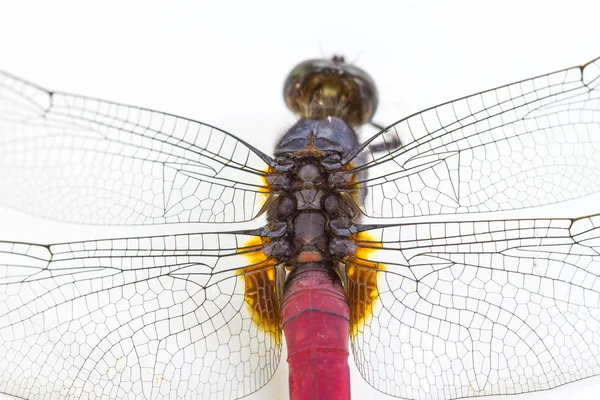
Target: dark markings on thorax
(311,219)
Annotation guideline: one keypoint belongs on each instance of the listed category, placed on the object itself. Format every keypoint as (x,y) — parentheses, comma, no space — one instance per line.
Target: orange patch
(309,256)
(361,287)
(259,280)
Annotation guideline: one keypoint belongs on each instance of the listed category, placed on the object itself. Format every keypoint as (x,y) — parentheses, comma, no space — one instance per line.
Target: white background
(224,63)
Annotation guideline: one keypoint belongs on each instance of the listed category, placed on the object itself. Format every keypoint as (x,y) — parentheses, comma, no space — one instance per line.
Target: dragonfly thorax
(310,218)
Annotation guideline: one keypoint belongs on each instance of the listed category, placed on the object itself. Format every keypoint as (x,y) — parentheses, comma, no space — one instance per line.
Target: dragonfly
(391,248)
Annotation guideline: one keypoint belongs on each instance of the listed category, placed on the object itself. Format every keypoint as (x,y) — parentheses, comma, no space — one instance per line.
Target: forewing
(522,145)
(138,318)
(78,159)
(476,308)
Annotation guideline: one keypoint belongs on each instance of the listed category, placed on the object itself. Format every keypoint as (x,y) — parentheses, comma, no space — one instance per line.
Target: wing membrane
(478,308)
(530,143)
(78,159)
(143,318)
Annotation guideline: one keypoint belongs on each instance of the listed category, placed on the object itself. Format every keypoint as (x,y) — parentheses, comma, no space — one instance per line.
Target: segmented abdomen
(316,324)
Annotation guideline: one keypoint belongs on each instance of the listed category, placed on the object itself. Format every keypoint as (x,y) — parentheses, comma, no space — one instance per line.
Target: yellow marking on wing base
(361,287)
(259,280)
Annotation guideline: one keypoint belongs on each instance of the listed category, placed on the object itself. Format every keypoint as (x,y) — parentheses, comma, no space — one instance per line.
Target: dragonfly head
(322,88)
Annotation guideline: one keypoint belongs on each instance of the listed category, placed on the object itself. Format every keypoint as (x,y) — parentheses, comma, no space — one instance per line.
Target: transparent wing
(138,318)
(78,159)
(526,144)
(477,308)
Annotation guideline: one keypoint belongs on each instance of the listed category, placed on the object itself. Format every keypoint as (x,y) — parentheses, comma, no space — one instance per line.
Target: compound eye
(318,89)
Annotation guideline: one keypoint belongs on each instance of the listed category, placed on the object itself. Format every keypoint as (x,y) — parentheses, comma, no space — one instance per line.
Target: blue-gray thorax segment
(330,135)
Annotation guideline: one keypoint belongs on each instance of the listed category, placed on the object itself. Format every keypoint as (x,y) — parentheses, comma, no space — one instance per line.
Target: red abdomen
(316,325)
